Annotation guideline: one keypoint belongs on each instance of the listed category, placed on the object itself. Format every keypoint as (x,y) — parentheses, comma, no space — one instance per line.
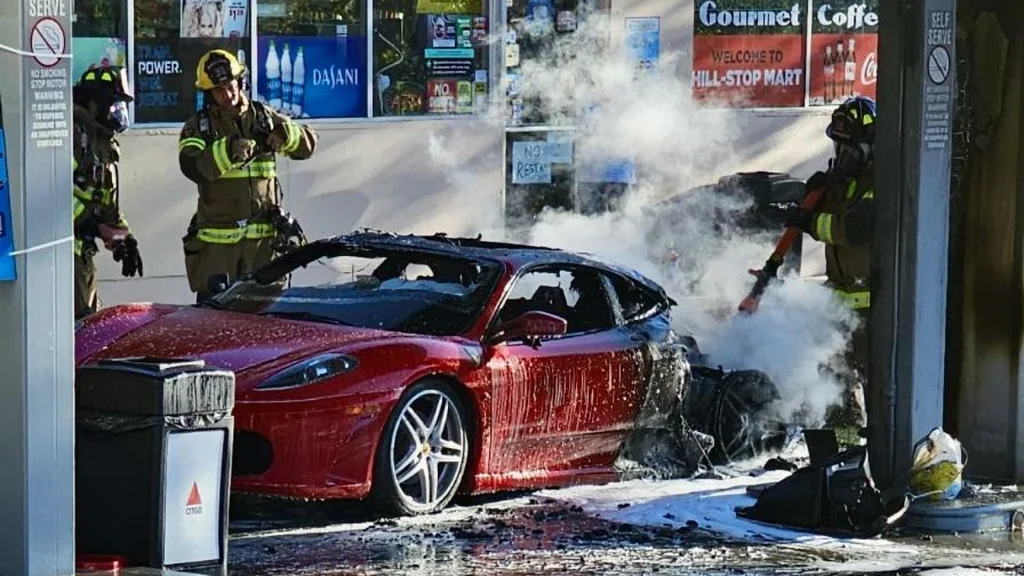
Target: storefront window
(544,36)
(170,37)
(99,33)
(312,57)
(430,57)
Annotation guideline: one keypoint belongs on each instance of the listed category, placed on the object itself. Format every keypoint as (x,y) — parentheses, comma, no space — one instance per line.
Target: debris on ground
(779,463)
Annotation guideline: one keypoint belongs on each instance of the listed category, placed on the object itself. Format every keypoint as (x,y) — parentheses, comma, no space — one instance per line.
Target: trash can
(153,462)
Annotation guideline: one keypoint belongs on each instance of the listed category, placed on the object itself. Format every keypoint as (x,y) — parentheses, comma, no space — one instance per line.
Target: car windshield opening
(400,290)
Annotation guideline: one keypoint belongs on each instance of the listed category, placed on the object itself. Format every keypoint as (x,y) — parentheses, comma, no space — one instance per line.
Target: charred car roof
(517,255)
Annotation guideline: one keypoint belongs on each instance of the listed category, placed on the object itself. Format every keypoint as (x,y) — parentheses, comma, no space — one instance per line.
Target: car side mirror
(531,327)
(216,284)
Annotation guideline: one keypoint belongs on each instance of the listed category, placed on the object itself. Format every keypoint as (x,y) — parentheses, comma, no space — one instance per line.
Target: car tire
(415,469)
(741,423)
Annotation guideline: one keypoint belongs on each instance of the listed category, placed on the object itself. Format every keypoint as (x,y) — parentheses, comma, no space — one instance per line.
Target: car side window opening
(576,295)
(635,301)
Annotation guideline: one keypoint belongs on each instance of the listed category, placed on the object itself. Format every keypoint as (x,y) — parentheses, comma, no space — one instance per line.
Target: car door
(553,404)
(651,397)
(614,383)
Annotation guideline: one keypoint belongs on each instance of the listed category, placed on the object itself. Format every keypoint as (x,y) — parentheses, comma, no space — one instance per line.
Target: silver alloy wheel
(428,450)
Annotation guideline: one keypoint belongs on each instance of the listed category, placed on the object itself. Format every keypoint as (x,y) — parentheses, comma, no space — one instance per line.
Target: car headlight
(310,371)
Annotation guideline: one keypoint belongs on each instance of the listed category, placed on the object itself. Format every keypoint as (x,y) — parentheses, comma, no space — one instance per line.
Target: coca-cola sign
(869,71)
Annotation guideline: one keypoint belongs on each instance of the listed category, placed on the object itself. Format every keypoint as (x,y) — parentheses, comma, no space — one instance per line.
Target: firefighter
(229,148)
(843,221)
(101,99)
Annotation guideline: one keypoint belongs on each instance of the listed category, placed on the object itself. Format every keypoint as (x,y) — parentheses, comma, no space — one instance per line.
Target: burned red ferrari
(419,367)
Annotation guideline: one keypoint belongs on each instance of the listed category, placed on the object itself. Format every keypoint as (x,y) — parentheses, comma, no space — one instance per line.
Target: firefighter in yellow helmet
(843,221)
(101,99)
(229,149)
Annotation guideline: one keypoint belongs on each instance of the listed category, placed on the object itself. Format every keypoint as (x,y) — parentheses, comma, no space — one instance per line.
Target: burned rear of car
(695,414)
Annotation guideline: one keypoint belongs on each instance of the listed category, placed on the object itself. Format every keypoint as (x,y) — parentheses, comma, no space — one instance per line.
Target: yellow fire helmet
(217,68)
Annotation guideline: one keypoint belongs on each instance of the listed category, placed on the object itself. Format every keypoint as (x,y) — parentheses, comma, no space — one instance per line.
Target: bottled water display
(286,80)
(273,78)
(298,84)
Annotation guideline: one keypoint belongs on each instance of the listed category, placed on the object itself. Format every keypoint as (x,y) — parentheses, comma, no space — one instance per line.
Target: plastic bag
(837,497)
(937,471)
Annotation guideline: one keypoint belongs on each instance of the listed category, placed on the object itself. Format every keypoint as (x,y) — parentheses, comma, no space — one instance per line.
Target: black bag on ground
(837,496)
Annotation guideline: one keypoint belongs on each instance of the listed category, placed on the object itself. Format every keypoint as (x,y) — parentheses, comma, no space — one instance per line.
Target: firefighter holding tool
(843,220)
(229,149)
(101,99)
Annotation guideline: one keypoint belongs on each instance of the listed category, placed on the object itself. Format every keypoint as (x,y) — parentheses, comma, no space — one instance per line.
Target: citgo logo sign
(194,506)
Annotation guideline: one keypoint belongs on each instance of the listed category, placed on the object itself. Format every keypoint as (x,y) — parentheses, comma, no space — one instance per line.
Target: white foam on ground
(962,571)
(709,502)
(712,504)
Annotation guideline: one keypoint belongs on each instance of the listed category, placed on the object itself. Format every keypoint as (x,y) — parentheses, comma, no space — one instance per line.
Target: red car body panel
(548,416)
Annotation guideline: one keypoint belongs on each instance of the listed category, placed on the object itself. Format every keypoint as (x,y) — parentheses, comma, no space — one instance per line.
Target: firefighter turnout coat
(231,232)
(94,201)
(843,222)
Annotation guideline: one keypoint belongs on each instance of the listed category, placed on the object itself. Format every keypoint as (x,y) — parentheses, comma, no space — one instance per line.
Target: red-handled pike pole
(771,266)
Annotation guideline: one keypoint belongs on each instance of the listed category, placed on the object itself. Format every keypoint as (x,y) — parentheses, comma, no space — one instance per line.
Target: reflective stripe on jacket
(254,231)
(855,300)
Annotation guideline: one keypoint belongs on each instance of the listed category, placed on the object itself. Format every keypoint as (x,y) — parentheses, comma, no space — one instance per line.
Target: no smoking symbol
(48,42)
(938,64)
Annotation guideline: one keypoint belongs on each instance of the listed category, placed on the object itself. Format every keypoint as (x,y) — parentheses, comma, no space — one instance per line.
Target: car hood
(234,341)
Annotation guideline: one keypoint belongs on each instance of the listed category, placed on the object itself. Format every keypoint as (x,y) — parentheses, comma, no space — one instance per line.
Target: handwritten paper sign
(530,163)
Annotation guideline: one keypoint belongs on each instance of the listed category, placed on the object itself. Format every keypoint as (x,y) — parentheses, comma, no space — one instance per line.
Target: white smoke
(653,121)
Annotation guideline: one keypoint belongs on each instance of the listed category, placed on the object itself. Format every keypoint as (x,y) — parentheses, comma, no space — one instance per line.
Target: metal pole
(881,388)
(36,308)
(909,271)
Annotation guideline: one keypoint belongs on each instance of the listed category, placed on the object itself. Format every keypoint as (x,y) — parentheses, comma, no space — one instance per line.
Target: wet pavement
(530,537)
(522,534)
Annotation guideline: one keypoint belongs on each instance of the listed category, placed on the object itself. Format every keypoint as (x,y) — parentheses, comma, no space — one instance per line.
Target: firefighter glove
(802,219)
(289,233)
(817,180)
(278,138)
(241,149)
(126,252)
